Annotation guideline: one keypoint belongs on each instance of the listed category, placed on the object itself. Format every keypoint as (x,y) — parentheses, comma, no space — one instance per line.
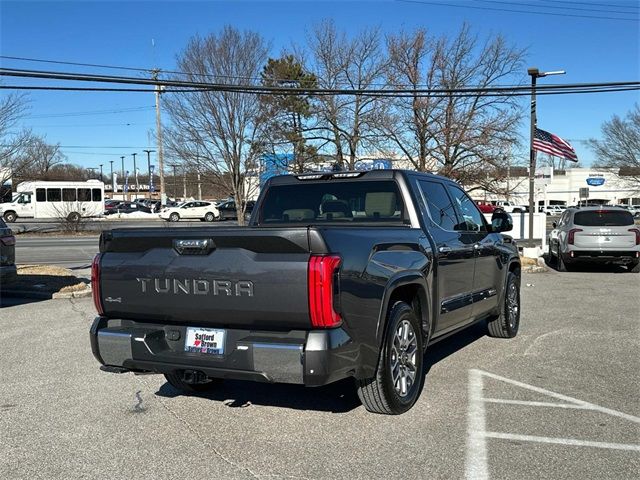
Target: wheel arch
(411,288)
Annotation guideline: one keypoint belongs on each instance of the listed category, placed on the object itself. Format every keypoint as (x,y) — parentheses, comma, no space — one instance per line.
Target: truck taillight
(322,273)
(572,235)
(95,283)
(637,232)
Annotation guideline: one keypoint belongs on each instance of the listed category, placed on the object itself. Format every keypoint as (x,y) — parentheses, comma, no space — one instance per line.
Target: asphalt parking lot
(559,401)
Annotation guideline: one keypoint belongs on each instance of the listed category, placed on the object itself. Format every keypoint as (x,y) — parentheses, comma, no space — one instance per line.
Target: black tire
(10,217)
(563,264)
(73,217)
(507,323)
(174,217)
(634,266)
(176,381)
(209,217)
(379,394)
(553,260)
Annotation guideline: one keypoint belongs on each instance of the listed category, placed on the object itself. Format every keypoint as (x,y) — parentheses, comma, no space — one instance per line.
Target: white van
(70,200)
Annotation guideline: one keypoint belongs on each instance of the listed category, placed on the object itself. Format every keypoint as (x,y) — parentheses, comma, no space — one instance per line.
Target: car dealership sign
(595,180)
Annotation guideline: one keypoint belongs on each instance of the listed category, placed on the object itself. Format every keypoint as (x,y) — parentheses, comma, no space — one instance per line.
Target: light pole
(101,176)
(148,152)
(113,183)
(135,172)
(535,74)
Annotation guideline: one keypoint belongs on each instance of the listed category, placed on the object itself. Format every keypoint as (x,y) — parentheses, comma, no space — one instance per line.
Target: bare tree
(41,158)
(466,137)
(349,121)
(620,146)
(13,140)
(407,122)
(220,133)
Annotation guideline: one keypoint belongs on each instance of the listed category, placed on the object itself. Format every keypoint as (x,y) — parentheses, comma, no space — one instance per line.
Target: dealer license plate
(205,340)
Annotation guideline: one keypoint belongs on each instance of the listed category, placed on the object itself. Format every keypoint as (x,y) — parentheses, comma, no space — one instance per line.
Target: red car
(485,207)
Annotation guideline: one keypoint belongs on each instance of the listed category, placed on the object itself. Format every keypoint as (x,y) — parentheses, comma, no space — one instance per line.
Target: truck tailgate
(227,278)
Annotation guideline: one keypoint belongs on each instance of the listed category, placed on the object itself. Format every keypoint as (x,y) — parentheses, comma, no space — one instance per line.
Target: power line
(507,92)
(578,9)
(422,2)
(88,113)
(79,64)
(262,89)
(632,6)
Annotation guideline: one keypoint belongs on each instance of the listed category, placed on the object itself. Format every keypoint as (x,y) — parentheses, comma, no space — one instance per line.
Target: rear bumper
(312,358)
(8,273)
(618,256)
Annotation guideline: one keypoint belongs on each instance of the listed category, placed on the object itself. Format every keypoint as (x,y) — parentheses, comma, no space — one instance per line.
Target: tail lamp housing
(323,270)
(95,284)
(572,235)
(637,232)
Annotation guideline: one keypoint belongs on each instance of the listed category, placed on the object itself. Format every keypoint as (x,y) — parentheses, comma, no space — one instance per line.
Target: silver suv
(595,234)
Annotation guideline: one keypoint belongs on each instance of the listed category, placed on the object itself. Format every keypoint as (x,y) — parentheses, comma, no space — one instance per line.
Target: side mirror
(501,221)
(554,224)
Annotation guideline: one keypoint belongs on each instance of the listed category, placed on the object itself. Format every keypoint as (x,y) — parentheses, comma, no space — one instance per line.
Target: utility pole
(184,182)
(113,183)
(158,89)
(135,172)
(101,176)
(175,184)
(535,74)
(122,171)
(148,152)
(199,187)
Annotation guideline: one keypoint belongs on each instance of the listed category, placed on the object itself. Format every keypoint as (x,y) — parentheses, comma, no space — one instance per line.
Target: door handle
(444,249)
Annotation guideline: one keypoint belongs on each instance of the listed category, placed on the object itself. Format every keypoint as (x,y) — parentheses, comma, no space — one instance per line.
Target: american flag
(553,145)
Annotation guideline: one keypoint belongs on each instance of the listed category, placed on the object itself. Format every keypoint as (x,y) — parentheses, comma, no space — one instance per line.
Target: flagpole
(532,153)
(535,74)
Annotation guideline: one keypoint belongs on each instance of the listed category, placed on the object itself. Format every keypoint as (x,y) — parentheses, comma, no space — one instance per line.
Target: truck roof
(352,175)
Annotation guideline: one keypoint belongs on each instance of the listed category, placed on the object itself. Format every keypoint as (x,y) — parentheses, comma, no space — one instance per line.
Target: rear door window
(439,204)
(603,218)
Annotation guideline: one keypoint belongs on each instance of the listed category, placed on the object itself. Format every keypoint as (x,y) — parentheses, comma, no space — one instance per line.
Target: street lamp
(535,74)
(135,172)
(113,183)
(101,176)
(148,152)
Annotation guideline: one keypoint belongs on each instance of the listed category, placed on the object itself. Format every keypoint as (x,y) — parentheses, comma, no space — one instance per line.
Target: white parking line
(563,441)
(476,461)
(476,464)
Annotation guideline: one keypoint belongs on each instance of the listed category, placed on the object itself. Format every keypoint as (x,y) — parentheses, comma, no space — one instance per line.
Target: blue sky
(121,33)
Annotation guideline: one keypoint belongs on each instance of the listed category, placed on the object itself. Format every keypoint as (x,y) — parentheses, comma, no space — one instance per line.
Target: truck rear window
(333,202)
(603,218)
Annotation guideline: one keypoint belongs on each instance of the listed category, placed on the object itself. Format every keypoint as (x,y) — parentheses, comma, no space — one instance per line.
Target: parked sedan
(204,211)
(7,253)
(228,210)
(595,234)
(128,207)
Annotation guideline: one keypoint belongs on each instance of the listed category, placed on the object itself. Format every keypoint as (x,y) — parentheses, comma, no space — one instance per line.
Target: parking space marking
(563,441)
(477,467)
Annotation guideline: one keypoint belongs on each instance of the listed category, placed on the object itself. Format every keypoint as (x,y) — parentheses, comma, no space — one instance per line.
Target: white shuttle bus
(41,199)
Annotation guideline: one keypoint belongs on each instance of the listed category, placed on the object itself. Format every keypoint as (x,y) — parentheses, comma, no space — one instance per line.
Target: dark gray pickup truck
(345,274)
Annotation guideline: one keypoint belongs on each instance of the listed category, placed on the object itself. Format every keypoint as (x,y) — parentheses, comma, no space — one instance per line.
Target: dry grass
(47,279)
(44,270)
(74,288)
(526,261)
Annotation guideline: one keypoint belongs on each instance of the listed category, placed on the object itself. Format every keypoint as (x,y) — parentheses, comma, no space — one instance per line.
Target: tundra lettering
(197,286)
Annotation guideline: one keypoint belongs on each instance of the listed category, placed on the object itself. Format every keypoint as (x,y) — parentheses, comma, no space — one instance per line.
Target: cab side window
(471,218)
